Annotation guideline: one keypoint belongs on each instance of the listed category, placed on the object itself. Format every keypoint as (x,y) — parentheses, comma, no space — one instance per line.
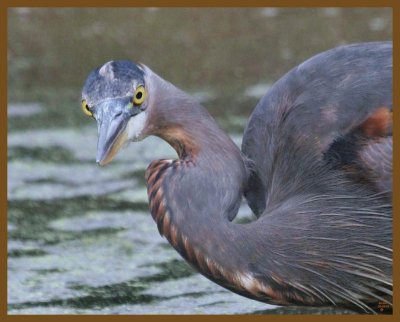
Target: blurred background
(80,237)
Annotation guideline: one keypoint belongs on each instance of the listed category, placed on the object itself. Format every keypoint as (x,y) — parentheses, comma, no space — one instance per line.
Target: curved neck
(185,124)
(194,199)
(195,218)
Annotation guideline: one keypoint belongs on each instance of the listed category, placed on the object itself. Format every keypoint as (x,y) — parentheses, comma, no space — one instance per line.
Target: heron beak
(112,121)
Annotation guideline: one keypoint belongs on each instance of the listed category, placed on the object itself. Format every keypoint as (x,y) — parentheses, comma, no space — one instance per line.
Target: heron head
(116,95)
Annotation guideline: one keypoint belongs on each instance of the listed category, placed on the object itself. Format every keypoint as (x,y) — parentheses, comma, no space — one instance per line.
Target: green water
(81,239)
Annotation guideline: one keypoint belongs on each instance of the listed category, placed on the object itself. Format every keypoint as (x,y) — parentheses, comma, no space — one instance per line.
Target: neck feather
(193,199)
(185,124)
(205,239)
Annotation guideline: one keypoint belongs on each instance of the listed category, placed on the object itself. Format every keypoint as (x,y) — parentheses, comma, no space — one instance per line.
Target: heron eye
(86,109)
(140,95)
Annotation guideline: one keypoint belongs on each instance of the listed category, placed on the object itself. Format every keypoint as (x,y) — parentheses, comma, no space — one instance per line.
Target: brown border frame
(5,4)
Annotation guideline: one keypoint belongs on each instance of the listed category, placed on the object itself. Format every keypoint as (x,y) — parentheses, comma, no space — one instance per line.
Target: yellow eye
(85,108)
(140,95)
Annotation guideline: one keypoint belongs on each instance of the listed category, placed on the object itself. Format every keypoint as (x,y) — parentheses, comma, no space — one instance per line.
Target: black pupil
(87,107)
(139,95)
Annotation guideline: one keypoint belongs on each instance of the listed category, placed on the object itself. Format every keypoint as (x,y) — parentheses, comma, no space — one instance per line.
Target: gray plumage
(315,167)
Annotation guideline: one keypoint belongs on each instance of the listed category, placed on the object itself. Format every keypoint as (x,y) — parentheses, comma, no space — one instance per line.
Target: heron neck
(194,199)
(194,217)
(186,125)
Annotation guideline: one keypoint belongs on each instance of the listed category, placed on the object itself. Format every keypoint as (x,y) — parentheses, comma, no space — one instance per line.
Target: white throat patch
(136,125)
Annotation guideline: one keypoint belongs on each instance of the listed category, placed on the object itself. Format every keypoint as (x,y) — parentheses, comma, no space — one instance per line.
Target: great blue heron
(315,167)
